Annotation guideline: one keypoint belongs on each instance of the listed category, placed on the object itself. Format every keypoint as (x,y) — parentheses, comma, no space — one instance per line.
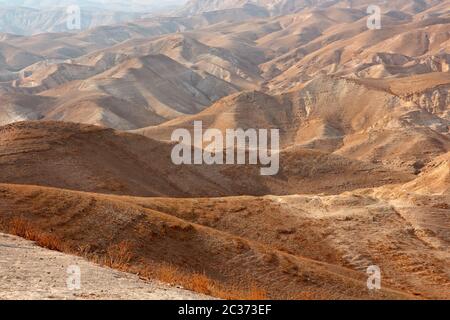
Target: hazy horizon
(128,5)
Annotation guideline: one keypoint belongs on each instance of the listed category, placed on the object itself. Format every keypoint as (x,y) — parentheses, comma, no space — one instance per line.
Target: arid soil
(30,272)
(94,225)
(302,241)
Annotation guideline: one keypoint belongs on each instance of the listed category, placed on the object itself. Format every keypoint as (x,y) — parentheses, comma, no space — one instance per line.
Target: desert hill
(20,107)
(14,58)
(358,120)
(103,96)
(143,90)
(386,221)
(435,178)
(96,159)
(98,223)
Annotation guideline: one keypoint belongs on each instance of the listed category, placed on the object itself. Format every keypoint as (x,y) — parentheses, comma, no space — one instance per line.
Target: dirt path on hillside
(30,272)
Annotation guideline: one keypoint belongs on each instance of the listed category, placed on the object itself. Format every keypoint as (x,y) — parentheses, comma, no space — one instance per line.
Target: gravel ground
(30,272)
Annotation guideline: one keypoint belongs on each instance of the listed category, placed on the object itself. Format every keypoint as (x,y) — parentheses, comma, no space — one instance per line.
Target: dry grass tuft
(22,228)
(172,275)
(166,273)
(256,293)
(119,255)
(201,283)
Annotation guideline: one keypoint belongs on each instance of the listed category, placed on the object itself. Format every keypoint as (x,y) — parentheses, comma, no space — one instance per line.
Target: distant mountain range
(29,17)
(112,5)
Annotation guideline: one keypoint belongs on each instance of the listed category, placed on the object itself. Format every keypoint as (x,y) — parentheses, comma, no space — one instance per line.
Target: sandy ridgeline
(30,272)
